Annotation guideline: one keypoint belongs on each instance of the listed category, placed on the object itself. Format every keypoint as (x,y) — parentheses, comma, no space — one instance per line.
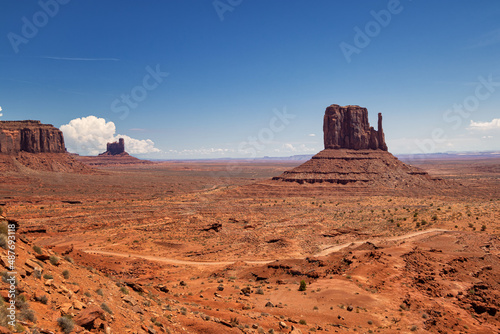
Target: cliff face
(347,127)
(30,136)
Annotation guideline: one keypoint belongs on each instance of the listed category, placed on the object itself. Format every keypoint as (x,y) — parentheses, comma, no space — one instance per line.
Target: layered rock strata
(31,137)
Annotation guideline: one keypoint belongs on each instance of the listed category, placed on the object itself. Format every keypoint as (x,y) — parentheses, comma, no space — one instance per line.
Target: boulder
(86,317)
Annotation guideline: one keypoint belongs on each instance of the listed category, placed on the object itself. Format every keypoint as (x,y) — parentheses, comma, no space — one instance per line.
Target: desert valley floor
(218,247)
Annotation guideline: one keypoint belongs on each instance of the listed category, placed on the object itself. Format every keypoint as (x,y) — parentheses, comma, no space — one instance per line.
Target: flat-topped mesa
(348,128)
(30,136)
(116,148)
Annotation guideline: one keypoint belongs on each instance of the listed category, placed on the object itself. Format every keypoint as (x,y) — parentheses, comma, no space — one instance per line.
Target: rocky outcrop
(30,136)
(116,148)
(356,155)
(348,127)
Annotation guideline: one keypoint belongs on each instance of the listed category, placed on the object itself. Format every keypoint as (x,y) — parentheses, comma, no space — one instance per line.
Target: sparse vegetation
(37,249)
(66,324)
(303,285)
(3,241)
(65,274)
(54,260)
(69,259)
(106,308)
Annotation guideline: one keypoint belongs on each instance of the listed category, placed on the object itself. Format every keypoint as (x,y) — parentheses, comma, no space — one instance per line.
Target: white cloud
(89,136)
(485,126)
(312,135)
(202,151)
(0,112)
(290,148)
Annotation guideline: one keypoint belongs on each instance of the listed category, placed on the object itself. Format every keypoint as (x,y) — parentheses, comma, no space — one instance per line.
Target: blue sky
(211,79)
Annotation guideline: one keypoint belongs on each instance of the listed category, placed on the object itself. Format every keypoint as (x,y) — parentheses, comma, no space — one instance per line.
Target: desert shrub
(54,260)
(43,299)
(124,290)
(3,228)
(3,241)
(483,228)
(302,322)
(48,276)
(69,259)
(99,292)
(66,324)
(303,286)
(27,314)
(65,274)
(259,291)
(86,293)
(37,249)
(106,308)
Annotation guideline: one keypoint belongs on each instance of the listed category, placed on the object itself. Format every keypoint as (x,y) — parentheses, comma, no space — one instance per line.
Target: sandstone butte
(356,154)
(115,148)
(30,136)
(36,146)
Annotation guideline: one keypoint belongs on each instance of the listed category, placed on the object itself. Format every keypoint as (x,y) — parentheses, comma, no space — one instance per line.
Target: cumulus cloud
(89,136)
(312,135)
(485,126)
(0,112)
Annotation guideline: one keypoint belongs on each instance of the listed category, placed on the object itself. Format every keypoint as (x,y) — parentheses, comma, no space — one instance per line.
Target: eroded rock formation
(355,154)
(115,148)
(30,136)
(348,127)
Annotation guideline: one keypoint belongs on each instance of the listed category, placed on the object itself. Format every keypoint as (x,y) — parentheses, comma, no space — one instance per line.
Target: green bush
(48,276)
(303,285)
